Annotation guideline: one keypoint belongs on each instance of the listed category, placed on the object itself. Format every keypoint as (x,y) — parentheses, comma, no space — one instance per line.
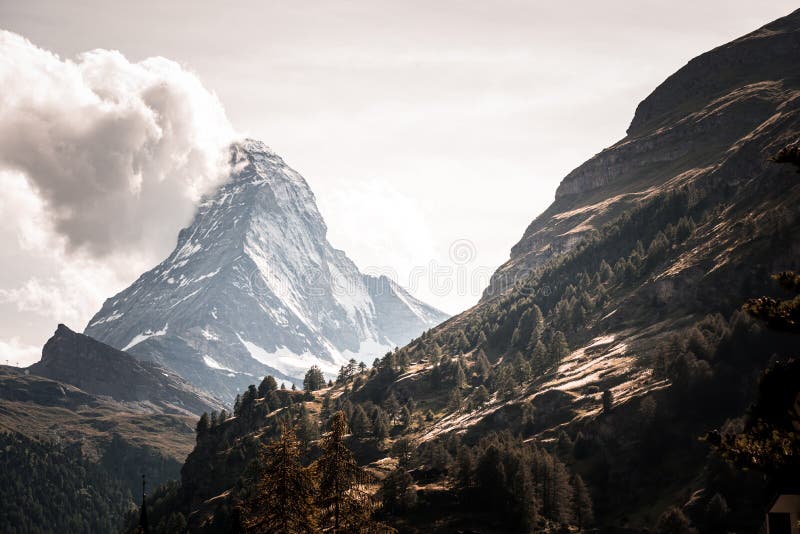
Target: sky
(432,133)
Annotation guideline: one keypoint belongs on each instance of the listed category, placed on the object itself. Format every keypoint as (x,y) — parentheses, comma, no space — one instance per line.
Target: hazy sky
(419,125)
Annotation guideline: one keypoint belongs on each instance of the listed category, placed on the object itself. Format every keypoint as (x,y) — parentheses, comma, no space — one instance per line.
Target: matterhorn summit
(254,287)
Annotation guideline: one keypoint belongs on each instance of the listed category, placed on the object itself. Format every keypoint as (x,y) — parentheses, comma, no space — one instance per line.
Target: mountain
(713,124)
(81,426)
(254,287)
(101,370)
(608,348)
(72,461)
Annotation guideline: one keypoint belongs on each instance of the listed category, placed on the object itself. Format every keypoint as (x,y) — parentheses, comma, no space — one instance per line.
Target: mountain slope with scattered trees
(586,386)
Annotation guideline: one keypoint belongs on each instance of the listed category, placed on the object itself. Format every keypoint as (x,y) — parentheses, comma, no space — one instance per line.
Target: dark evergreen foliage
(47,487)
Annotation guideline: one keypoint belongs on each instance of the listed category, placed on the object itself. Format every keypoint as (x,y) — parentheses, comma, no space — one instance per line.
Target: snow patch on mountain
(147,334)
(288,362)
(214,364)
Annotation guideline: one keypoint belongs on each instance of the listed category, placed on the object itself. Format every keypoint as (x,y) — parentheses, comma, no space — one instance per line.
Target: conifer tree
(397,492)
(392,407)
(463,468)
(359,422)
(380,425)
(539,355)
(605,271)
(202,425)
(557,491)
(460,376)
(482,341)
(267,386)
(608,401)
(307,428)
(455,403)
(405,416)
(482,365)
(559,348)
(344,503)
(584,514)
(284,495)
(480,396)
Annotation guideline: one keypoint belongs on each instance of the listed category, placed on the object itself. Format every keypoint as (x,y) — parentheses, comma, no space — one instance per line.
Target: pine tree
(283,502)
(380,424)
(605,271)
(267,386)
(482,341)
(584,513)
(405,416)
(436,354)
(540,352)
(307,430)
(460,376)
(397,493)
(392,407)
(480,396)
(557,491)
(359,422)
(455,403)
(326,411)
(608,401)
(344,503)
(203,425)
(314,379)
(463,468)
(559,348)
(482,366)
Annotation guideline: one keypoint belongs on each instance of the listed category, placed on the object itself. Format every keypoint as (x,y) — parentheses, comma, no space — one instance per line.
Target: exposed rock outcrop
(98,369)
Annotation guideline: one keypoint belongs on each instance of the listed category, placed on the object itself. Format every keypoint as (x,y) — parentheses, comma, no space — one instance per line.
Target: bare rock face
(713,124)
(101,370)
(253,287)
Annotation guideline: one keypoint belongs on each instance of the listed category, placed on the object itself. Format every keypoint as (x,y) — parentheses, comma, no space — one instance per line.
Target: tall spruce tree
(343,501)
(267,386)
(397,492)
(283,502)
(584,512)
(314,379)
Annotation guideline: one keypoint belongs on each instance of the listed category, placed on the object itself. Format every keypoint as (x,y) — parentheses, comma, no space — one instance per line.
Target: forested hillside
(605,377)
(48,487)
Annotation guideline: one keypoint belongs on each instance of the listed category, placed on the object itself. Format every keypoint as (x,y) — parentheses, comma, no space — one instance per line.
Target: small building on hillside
(783,516)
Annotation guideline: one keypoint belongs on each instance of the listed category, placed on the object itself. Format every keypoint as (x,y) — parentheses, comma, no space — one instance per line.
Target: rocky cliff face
(101,370)
(253,287)
(714,122)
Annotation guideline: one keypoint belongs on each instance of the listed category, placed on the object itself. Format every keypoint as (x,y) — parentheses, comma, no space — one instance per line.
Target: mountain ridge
(102,370)
(747,86)
(254,287)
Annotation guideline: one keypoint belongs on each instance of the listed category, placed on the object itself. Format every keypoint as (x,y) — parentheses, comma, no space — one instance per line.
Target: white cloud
(117,151)
(101,163)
